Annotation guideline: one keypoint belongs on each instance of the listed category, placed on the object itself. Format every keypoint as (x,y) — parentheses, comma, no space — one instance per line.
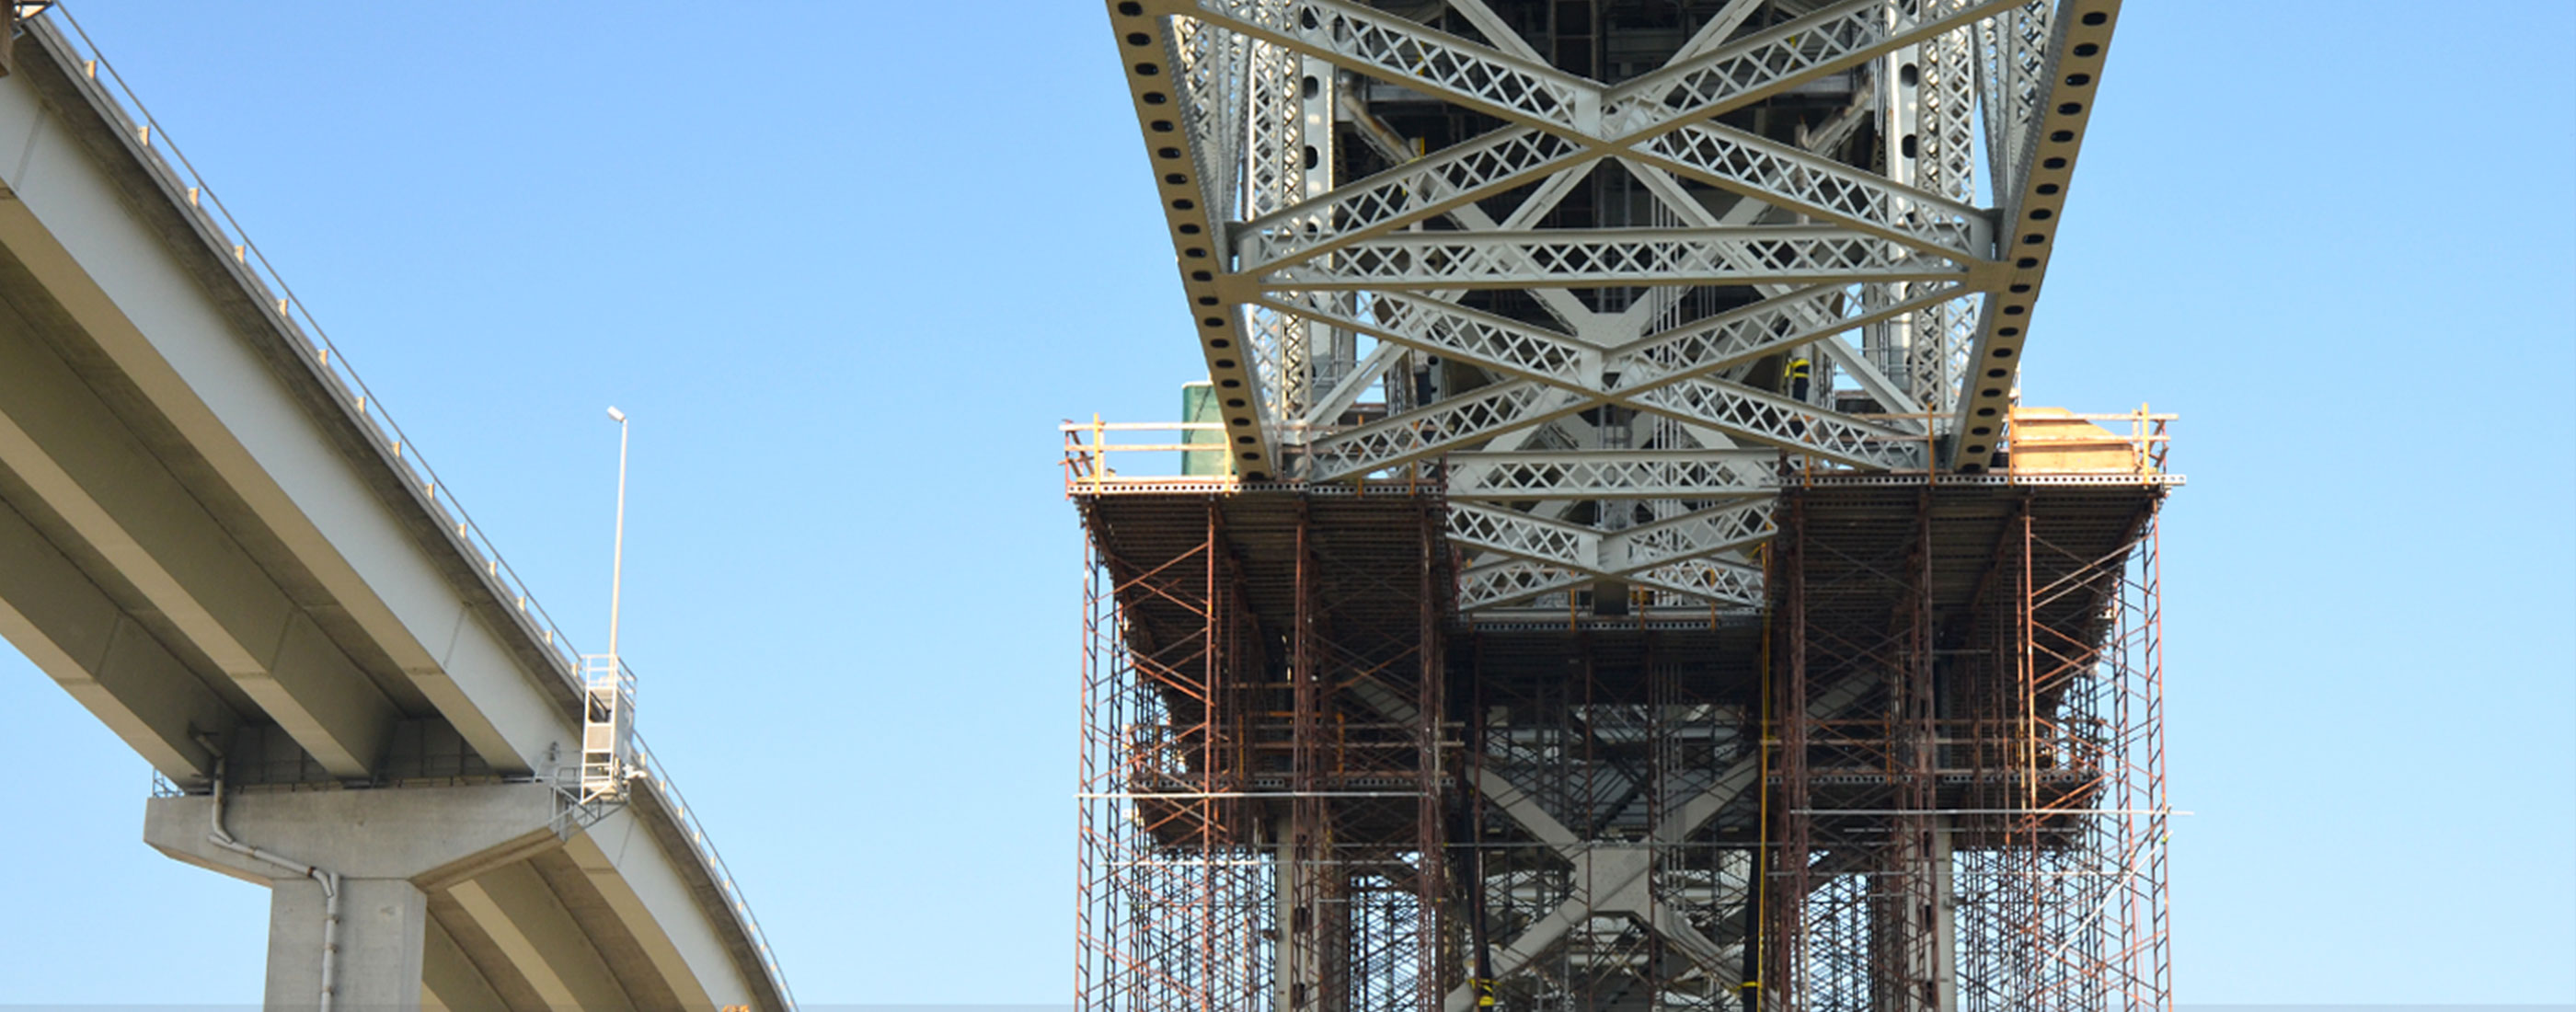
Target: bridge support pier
(381,944)
(391,848)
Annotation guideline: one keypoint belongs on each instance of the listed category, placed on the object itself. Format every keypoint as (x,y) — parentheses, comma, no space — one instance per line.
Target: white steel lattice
(1618,310)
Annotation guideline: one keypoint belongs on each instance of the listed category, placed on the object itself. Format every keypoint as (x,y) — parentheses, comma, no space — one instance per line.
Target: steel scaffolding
(1972,784)
(1611,567)
(1928,776)
(1262,758)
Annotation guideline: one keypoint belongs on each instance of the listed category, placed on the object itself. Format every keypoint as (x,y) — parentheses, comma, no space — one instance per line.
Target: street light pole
(617,560)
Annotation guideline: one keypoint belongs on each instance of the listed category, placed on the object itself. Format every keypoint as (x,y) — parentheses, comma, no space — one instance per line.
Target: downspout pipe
(328,880)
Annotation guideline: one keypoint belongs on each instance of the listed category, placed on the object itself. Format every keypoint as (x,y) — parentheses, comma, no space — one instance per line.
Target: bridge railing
(109,93)
(1103,458)
(145,136)
(715,864)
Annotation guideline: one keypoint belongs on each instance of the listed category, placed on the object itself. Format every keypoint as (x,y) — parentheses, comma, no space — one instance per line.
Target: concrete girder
(77,635)
(682,949)
(99,249)
(108,257)
(71,451)
(514,906)
(449,979)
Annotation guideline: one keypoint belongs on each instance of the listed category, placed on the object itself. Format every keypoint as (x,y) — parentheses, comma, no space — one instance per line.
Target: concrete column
(382,926)
(390,849)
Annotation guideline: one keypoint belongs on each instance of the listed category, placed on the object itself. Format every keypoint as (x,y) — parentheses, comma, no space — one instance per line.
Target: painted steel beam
(2043,171)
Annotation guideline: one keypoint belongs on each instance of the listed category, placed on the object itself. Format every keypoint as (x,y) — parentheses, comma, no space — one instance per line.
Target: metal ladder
(607,727)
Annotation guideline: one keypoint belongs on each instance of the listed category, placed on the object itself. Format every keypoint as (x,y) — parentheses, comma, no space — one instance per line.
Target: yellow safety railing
(2144,445)
(1089,464)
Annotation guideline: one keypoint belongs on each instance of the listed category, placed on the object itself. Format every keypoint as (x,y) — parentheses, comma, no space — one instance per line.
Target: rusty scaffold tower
(1608,565)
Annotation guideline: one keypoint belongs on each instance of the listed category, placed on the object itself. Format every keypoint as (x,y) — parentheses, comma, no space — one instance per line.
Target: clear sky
(847,264)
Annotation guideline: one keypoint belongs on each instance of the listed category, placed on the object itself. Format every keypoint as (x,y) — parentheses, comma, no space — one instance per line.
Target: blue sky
(846,265)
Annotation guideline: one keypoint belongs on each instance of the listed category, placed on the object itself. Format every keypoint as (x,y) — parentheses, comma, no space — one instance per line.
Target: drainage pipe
(328,880)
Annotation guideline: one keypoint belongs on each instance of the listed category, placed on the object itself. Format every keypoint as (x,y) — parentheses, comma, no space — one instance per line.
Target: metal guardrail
(152,142)
(1093,449)
(109,91)
(723,875)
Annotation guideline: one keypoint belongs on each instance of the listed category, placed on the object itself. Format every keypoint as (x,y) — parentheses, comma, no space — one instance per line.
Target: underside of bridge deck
(213,539)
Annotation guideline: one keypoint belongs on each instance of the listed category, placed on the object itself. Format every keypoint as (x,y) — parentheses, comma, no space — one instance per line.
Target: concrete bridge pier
(386,851)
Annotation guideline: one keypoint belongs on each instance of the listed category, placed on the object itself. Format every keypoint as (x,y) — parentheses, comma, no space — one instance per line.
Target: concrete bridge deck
(212,540)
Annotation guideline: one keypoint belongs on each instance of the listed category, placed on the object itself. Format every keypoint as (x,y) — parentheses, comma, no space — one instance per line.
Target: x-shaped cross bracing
(1622,553)
(1828,247)
(1614,878)
(1567,121)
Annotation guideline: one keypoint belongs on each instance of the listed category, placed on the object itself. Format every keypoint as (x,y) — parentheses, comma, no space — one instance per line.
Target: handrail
(1086,461)
(723,875)
(151,141)
(1088,449)
(147,139)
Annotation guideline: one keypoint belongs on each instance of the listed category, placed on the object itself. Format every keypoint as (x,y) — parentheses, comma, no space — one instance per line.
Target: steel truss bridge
(1610,566)
(1409,235)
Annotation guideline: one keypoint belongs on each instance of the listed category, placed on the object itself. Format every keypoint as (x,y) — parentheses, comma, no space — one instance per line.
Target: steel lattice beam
(1869,257)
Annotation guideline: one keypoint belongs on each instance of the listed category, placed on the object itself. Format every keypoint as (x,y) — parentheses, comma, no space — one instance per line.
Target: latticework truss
(1612,270)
